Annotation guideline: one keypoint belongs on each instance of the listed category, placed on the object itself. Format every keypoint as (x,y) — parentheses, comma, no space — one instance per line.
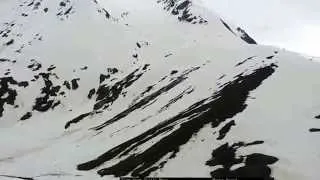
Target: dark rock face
(187,91)
(225,129)
(256,165)
(244,36)
(52,67)
(227,26)
(7,93)
(91,93)
(314,130)
(104,77)
(34,66)
(106,95)
(148,99)
(67,84)
(223,104)
(74,83)
(26,116)
(45,102)
(76,120)
(17,177)
(4,60)
(65,9)
(181,9)
(10,42)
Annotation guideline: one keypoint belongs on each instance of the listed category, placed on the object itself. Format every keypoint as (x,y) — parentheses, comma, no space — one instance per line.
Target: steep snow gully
(100,89)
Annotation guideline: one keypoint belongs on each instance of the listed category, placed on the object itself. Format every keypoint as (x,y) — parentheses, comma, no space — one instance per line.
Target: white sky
(289,24)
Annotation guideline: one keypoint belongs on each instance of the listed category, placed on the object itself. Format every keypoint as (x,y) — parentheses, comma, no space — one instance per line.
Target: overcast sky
(290,24)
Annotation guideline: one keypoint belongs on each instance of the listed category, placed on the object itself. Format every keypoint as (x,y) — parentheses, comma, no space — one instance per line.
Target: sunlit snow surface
(102,89)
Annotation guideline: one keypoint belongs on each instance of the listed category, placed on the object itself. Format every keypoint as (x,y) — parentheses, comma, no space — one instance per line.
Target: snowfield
(100,89)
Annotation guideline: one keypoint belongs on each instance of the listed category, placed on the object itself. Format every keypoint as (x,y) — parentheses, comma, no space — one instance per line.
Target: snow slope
(102,89)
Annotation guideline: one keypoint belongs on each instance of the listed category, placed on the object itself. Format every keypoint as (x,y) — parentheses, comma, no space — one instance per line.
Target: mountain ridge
(149,88)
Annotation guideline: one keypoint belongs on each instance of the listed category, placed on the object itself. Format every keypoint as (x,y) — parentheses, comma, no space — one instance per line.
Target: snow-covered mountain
(100,89)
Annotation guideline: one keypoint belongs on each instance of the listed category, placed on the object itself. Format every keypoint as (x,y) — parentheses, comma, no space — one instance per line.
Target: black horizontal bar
(187,178)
